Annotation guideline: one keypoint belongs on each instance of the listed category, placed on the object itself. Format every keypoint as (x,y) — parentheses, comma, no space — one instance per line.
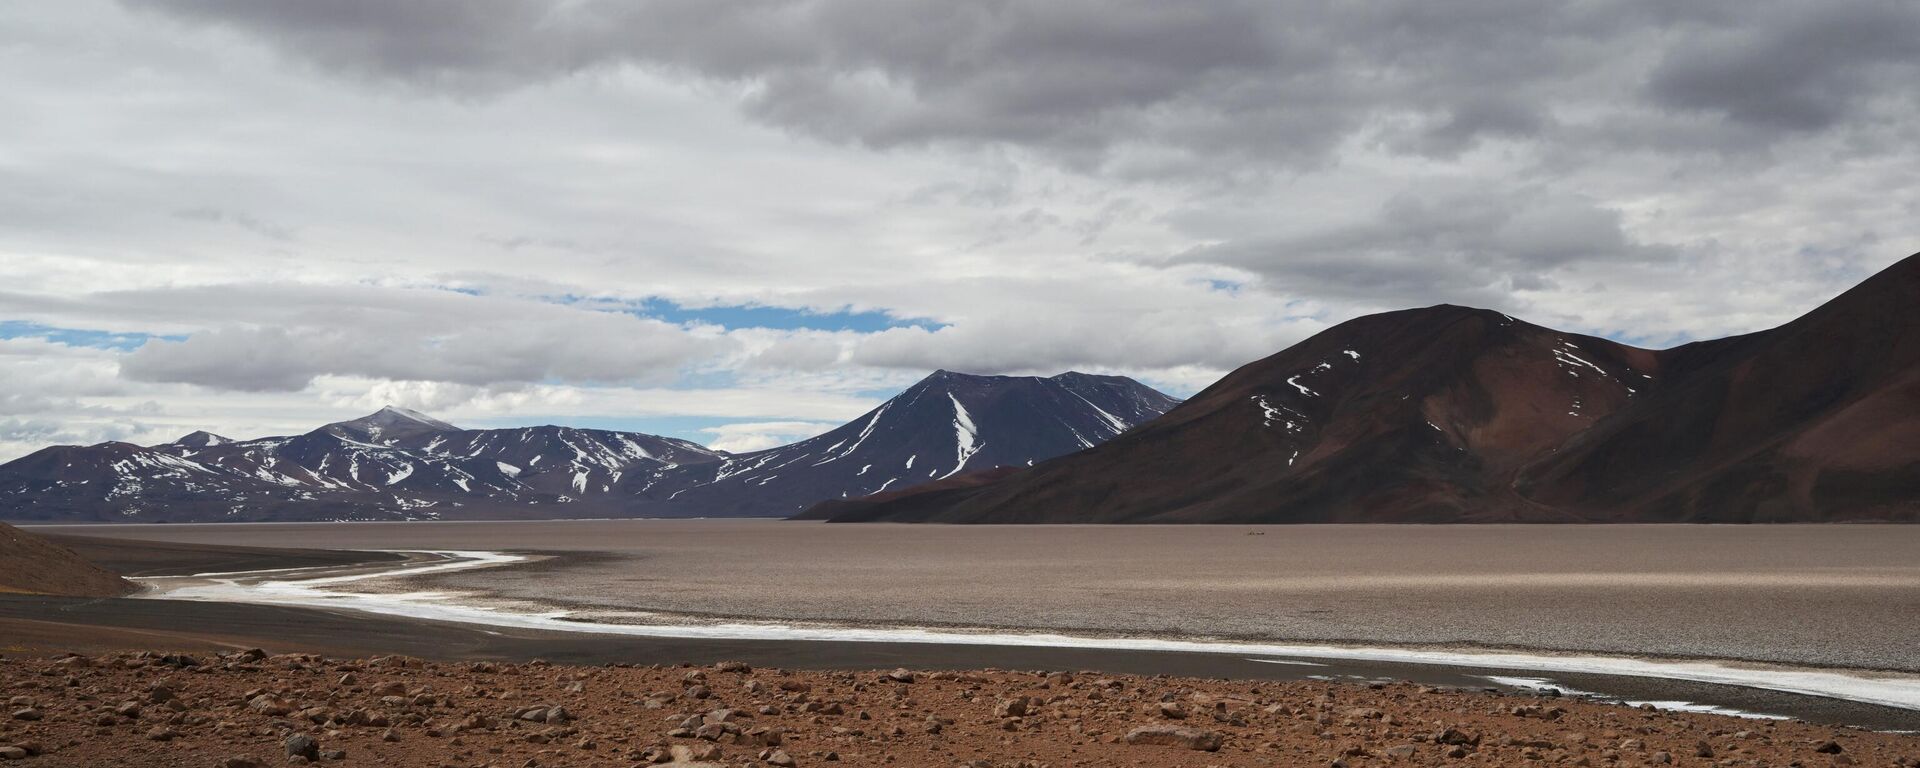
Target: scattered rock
(1014,707)
(302,745)
(1170,736)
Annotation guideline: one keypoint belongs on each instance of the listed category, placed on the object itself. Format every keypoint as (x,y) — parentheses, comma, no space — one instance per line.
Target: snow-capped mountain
(946,425)
(392,464)
(399,464)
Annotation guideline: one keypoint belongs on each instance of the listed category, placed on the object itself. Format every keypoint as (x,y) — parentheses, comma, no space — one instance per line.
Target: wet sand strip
(139,558)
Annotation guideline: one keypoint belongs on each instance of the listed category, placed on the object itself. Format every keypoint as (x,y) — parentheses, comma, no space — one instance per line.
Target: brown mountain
(1449,414)
(32,565)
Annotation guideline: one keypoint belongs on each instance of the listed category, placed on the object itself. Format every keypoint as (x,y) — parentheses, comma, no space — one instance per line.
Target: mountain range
(1441,414)
(1452,414)
(400,464)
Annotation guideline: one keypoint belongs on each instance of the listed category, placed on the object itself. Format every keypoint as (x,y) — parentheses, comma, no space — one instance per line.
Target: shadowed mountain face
(397,464)
(949,424)
(1449,414)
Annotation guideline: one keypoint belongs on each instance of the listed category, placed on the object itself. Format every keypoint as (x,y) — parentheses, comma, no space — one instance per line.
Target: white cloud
(1050,185)
(760,435)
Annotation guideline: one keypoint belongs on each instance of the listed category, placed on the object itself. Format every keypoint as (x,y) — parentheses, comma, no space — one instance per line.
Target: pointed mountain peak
(396,414)
(387,425)
(942,379)
(201,439)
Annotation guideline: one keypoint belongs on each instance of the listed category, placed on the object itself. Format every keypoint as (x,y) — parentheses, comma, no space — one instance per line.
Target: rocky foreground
(253,709)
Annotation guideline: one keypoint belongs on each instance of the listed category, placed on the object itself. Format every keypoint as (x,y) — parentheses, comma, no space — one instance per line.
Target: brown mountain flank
(32,565)
(1451,414)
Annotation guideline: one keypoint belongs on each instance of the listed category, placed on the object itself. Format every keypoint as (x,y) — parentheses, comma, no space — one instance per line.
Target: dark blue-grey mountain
(946,425)
(396,464)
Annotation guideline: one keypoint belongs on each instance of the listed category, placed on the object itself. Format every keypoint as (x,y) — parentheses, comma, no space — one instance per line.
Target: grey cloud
(1120,341)
(1140,88)
(284,337)
(1450,244)
(267,229)
(1804,67)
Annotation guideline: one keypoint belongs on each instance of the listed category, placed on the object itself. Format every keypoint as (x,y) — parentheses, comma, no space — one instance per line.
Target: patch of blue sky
(781,318)
(1648,341)
(78,337)
(732,316)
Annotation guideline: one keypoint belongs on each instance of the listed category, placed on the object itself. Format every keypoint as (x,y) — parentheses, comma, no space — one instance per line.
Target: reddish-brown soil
(246,708)
(35,566)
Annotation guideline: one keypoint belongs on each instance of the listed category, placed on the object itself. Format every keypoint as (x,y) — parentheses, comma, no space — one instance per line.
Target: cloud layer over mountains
(694,218)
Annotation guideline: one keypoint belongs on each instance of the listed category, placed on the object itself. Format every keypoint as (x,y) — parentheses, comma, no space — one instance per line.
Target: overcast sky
(741,222)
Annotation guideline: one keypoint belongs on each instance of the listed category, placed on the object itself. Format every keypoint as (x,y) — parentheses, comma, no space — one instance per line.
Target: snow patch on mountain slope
(965,435)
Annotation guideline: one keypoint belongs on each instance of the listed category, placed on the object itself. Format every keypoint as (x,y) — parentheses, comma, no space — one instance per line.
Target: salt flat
(1844,596)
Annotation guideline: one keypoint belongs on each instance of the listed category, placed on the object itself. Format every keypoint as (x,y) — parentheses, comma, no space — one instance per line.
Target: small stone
(1014,707)
(900,676)
(29,714)
(390,735)
(302,745)
(782,759)
(1825,747)
(12,753)
(1169,736)
(1457,736)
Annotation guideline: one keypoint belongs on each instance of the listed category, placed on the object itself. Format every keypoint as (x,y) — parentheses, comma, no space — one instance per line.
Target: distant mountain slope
(1449,414)
(393,464)
(398,464)
(948,424)
(1816,420)
(32,565)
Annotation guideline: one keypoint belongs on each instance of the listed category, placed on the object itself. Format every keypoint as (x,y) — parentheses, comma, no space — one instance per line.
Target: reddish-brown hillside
(1448,414)
(32,565)
(1816,420)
